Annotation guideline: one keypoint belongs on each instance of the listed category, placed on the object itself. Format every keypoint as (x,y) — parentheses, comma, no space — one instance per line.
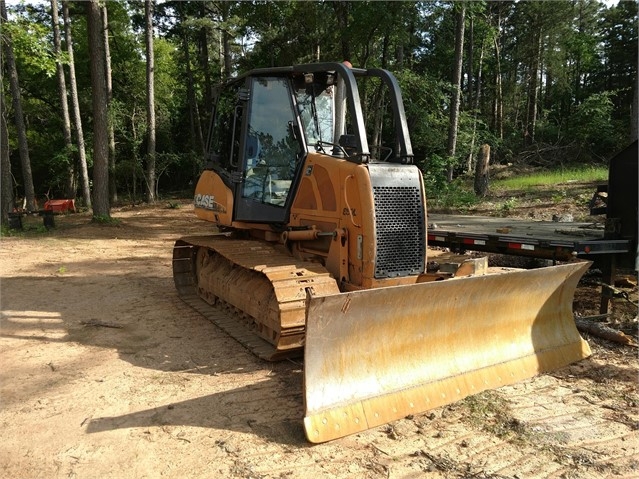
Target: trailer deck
(561,241)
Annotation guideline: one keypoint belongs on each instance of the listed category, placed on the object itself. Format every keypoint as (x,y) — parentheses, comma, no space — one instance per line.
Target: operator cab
(266,122)
(262,129)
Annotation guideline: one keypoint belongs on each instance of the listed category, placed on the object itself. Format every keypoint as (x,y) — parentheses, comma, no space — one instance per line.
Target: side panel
(337,191)
(380,206)
(213,200)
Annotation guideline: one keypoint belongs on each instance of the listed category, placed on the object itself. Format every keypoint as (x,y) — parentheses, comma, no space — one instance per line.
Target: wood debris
(101,324)
(604,332)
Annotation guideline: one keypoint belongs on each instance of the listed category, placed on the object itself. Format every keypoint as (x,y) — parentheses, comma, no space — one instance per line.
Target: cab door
(270,153)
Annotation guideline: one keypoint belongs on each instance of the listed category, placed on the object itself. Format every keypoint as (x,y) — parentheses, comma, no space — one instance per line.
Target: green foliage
(592,126)
(451,196)
(559,196)
(434,171)
(508,205)
(35,55)
(588,67)
(427,120)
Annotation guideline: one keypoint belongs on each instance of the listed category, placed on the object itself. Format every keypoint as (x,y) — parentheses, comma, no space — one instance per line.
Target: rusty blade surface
(375,356)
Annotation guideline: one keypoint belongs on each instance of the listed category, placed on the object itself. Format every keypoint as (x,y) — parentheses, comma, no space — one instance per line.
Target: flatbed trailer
(611,245)
(558,241)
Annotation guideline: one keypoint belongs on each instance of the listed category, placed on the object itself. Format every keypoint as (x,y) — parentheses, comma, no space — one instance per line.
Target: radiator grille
(399,221)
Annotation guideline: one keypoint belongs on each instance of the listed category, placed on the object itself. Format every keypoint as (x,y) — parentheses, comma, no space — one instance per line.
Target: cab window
(223,147)
(316,111)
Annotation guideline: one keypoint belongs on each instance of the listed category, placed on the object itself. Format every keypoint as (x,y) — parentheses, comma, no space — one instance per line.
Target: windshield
(316,110)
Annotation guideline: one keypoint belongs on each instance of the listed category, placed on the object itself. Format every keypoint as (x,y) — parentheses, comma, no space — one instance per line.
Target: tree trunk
(226,41)
(23,147)
(477,97)
(455,100)
(378,122)
(70,183)
(134,174)
(204,62)
(341,9)
(228,65)
(533,91)
(196,127)
(113,191)
(101,207)
(498,105)
(6,187)
(206,69)
(577,92)
(481,171)
(150,102)
(75,103)
(471,60)
(547,99)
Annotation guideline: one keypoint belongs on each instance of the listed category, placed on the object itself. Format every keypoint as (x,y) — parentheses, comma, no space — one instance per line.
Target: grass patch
(557,186)
(590,174)
(28,229)
(490,412)
(105,220)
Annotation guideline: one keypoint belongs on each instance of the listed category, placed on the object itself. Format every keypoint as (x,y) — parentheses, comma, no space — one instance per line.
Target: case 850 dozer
(320,246)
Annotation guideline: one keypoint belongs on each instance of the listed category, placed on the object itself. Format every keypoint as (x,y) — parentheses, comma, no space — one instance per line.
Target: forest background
(109,102)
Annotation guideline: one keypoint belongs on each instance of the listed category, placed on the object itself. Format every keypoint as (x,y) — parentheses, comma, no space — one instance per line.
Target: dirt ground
(106,373)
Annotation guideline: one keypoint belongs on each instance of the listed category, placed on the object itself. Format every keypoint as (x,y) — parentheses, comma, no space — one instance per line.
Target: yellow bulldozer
(319,247)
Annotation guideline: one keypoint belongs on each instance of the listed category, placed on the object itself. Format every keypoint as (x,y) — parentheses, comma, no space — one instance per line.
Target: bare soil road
(106,373)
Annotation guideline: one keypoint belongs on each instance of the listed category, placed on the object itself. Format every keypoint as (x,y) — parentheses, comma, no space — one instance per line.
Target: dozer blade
(378,355)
